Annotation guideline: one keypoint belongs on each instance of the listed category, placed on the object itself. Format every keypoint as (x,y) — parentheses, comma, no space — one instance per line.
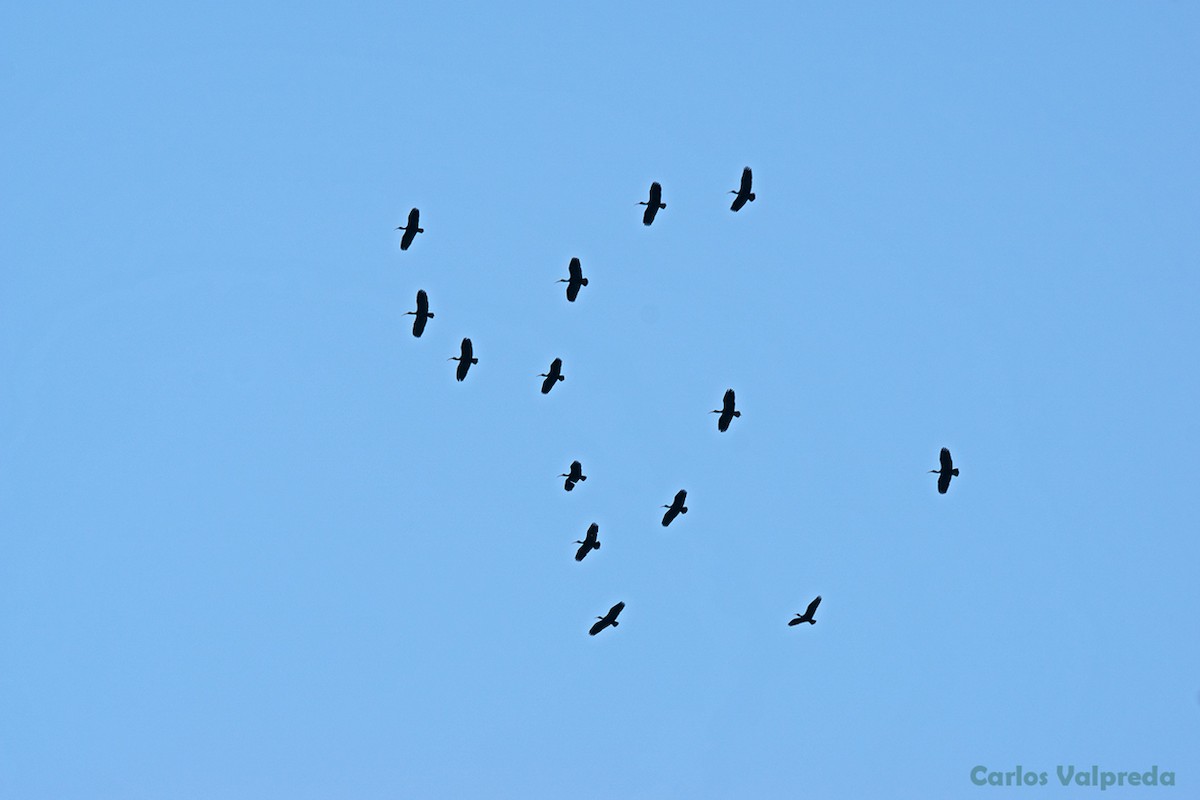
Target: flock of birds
(728,410)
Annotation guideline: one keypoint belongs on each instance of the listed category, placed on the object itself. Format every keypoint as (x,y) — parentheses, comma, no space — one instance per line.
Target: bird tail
(583,477)
(683,510)
(474,360)
(570,487)
(737,413)
(430,316)
(954,472)
(812,622)
(750,197)
(420,230)
(615,623)
(597,545)
(583,282)
(662,205)
(562,377)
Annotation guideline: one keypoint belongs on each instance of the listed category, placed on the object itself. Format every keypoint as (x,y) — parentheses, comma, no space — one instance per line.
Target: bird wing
(738,202)
(651,210)
(408,236)
(418,325)
(812,607)
(576,468)
(575,269)
(468,352)
(422,302)
(615,610)
(414,219)
(583,550)
(747,177)
(796,621)
(723,422)
(572,291)
(729,399)
(943,482)
(598,626)
(669,517)
(680,497)
(947,464)
(656,193)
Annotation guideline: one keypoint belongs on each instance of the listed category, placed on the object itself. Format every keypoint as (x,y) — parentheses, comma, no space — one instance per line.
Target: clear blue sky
(257,542)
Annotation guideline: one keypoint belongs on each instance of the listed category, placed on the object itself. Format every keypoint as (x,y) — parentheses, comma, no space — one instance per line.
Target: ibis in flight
(608,619)
(948,469)
(465,360)
(676,508)
(574,476)
(727,412)
(744,195)
(553,376)
(589,542)
(411,229)
(575,281)
(422,313)
(807,616)
(654,204)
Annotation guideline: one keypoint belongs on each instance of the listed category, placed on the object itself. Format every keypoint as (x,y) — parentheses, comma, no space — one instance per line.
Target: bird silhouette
(727,412)
(743,193)
(608,619)
(553,376)
(654,204)
(676,508)
(807,616)
(411,229)
(422,313)
(465,360)
(948,469)
(575,281)
(588,543)
(574,476)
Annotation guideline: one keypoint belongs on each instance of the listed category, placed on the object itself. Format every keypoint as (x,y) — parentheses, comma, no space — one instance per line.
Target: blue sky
(257,542)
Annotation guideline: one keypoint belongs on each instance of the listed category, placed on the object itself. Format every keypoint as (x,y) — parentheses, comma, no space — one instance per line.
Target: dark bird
(608,619)
(654,204)
(422,313)
(744,195)
(676,508)
(411,229)
(727,412)
(574,476)
(945,472)
(553,376)
(589,543)
(575,281)
(807,616)
(465,360)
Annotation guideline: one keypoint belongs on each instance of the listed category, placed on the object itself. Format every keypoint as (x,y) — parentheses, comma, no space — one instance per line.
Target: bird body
(944,474)
(676,508)
(590,542)
(411,229)
(744,195)
(654,204)
(465,359)
(608,619)
(553,376)
(575,281)
(574,476)
(422,313)
(726,411)
(807,616)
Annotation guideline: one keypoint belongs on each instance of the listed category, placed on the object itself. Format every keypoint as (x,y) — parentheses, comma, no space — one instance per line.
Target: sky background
(255,540)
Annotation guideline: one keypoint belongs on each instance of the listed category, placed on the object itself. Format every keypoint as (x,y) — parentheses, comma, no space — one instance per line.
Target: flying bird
(411,229)
(465,360)
(575,281)
(727,412)
(807,616)
(743,192)
(574,476)
(553,376)
(608,619)
(676,508)
(654,204)
(589,543)
(948,469)
(422,313)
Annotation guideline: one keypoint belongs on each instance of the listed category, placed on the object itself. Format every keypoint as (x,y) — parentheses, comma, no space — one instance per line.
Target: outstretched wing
(468,352)
(422,303)
(943,482)
(680,498)
(408,236)
(615,610)
(598,626)
(947,463)
(812,607)
(648,215)
(738,202)
(729,400)
(669,517)
(418,325)
(575,270)
(583,550)
(796,621)
(747,178)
